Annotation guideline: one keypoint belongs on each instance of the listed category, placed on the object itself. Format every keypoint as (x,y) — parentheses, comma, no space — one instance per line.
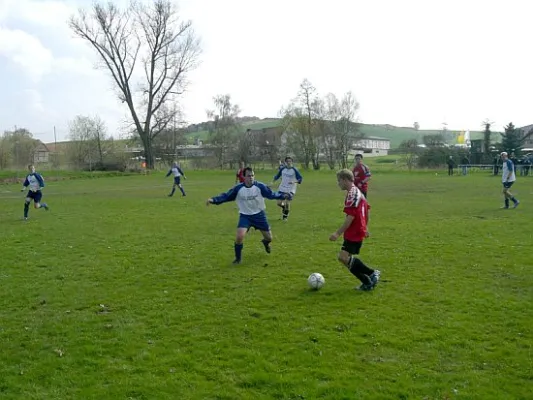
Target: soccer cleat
(46,207)
(267,245)
(365,287)
(374,277)
(25,219)
(236,261)
(516,204)
(504,208)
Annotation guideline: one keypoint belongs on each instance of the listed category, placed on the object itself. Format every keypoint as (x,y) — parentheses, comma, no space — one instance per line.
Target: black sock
(26,209)
(506,202)
(513,199)
(360,266)
(238,251)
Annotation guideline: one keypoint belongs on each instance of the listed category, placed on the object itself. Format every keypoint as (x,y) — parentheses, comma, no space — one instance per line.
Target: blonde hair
(345,174)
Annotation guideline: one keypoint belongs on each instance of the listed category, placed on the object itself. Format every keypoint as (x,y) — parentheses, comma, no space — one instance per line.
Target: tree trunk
(148,150)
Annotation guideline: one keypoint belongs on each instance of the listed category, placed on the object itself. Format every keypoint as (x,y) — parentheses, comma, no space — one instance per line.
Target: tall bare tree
(225,127)
(153,36)
(246,147)
(298,121)
(346,128)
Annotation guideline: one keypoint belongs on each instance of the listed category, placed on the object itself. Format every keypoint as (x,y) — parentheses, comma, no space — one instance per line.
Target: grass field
(120,292)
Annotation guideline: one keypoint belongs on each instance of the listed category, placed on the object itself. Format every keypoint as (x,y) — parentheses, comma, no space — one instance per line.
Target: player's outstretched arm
(267,193)
(230,195)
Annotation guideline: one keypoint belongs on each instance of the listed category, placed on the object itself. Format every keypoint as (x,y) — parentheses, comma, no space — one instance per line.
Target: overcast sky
(431,61)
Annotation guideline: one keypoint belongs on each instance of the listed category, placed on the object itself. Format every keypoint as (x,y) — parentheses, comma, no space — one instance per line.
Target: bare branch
(153,35)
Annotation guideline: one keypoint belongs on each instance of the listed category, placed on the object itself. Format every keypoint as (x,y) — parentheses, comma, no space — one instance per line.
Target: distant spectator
(466,163)
(451,164)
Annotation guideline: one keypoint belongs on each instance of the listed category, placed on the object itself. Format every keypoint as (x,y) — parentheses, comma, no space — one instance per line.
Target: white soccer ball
(316,281)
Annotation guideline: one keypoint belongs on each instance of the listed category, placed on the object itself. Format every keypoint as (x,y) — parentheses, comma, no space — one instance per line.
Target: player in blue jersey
(290,178)
(178,173)
(250,197)
(508,178)
(34,182)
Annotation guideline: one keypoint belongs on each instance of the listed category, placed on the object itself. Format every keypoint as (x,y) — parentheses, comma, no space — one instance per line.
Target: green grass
(120,292)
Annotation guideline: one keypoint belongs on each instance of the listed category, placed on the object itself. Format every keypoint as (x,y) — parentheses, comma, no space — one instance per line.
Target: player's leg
(37,201)
(281,204)
(181,189)
(366,275)
(176,183)
(260,223)
(506,195)
(242,228)
(286,210)
(510,196)
(267,239)
(239,239)
(27,202)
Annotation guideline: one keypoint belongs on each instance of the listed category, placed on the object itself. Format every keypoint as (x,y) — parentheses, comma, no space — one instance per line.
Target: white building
(372,146)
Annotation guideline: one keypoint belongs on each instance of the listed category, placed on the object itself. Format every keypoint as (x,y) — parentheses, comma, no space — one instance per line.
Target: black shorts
(507,185)
(351,247)
(35,196)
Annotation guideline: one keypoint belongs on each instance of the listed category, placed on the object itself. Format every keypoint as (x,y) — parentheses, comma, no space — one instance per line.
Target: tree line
(435,151)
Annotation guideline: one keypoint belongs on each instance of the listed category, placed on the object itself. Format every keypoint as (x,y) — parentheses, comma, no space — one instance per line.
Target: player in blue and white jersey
(178,173)
(34,182)
(250,197)
(290,179)
(508,178)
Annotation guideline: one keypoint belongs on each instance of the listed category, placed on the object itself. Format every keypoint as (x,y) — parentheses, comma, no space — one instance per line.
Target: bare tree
(410,152)
(246,148)
(19,146)
(416,125)
(154,35)
(298,121)
(225,127)
(5,152)
(347,132)
(89,143)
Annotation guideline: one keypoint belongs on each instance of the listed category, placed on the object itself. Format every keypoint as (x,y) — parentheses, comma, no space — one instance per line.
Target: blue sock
(513,199)
(182,191)
(506,202)
(238,251)
(26,209)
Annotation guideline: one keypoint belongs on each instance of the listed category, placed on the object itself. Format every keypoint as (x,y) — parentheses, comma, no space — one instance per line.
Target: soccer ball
(316,281)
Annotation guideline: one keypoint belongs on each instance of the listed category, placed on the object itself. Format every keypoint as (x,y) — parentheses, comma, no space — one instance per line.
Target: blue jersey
(176,171)
(34,182)
(250,200)
(290,178)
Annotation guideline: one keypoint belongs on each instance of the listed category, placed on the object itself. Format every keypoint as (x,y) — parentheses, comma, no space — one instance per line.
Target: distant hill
(394,133)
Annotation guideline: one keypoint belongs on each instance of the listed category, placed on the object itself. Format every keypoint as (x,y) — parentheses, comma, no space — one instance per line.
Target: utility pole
(56,159)
(174,134)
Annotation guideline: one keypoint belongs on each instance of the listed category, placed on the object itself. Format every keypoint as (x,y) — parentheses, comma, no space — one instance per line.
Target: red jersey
(240,175)
(355,204)
(360,173)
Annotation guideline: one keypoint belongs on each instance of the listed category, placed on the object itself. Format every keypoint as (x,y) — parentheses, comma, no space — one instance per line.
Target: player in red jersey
(354,231)
(361,174)
(239,176)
